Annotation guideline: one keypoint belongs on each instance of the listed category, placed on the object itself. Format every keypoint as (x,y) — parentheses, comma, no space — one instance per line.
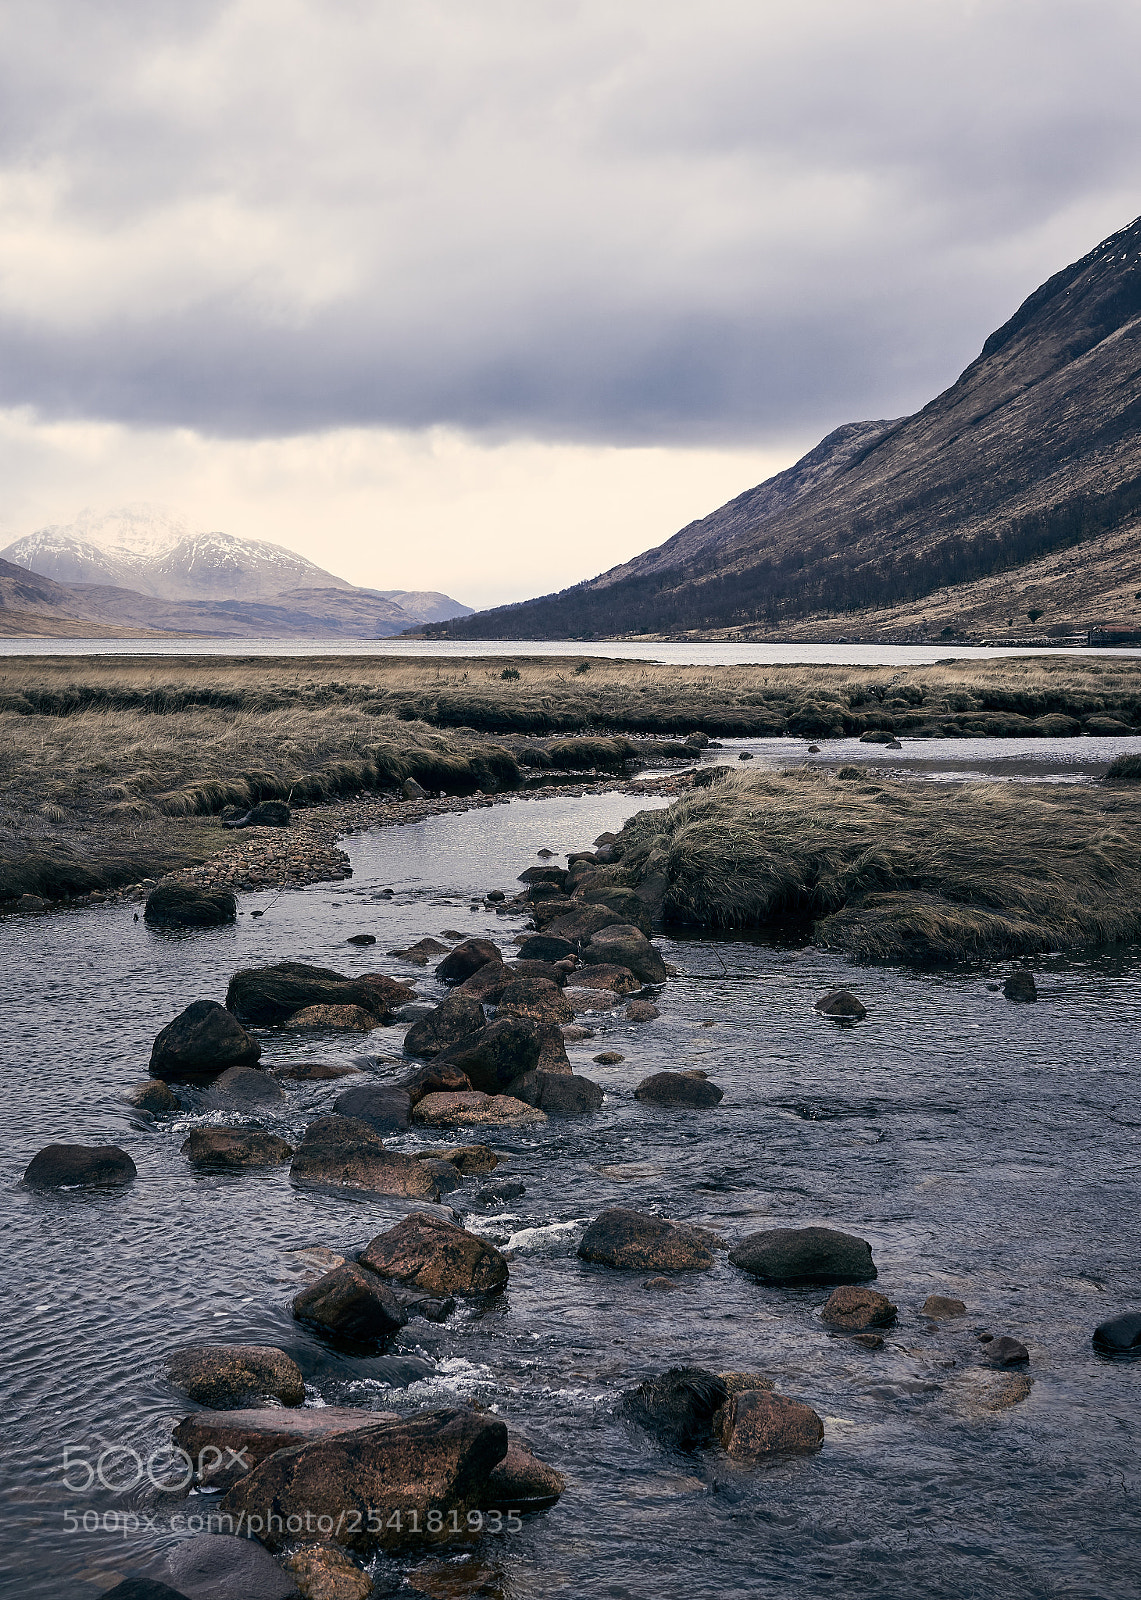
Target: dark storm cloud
(651,222)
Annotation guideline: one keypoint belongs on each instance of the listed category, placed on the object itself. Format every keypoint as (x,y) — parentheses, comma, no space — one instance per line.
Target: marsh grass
(922,873)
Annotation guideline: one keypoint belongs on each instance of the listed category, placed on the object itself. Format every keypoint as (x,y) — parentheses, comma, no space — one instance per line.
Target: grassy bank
(915,873)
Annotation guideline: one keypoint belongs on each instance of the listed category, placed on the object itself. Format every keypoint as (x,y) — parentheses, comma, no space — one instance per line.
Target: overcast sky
(488,295)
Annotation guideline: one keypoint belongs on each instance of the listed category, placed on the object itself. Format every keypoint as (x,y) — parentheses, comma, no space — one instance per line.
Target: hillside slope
(1034,450)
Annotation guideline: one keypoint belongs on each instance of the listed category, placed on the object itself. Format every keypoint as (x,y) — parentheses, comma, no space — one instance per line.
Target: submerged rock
(235,1147)
(474,1110)
(620,1237)
(154,1096)
(941,1305)
(465,958)
(1119,1336)
(455,1018)
(857,1309)
(185,905)
(221,1566)
(841,1003)
(521,1482)
(323,1572)
(384,1108)
(1020,985)
(758,1422)
(642,1011)
(229,1376)
(679,1406)
(679,1089)
(205,1038)
(1005,1352)
(339,1152)
(805,1255)
(80,1166)
(351,1303)
(436,1256)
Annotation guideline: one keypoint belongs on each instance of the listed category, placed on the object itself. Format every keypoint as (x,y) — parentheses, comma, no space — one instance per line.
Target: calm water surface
(988,1151)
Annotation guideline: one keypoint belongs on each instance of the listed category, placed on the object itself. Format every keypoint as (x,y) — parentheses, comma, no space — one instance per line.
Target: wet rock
(1119,1336)
(488,983)
(340,1153)
(268,996)
(841,1003)
(604,975)
(351,1303)
(549,970)
(858,1309)
(555,875)
(239,1088)
(473,1110)
(521,1482)
(941,1305)
(435,1078)
(361,938)
(422,951)
(804,1255)
(758,1422)
(662,1284)
(545,947)
(454,1018)
(497,1054)
(623,945)
(552,1050)
(1005,1352)
(154,1096)
(143,1589)
(266,814)
(315,1071)
(221,1566)
(536,998)
(586,1000)
(235,1147)
(32,903)
(80,1166)
(678,1407)
(738,1382)
(979,1393)
(624,903)
(437,1257)
(385,1109)
(322,1572)
(411,790)
(619,1237)
(470,1159)
(438,1461)
(225,1445)
(574,1032)
(230,1376)
(498,1194)
(868,1341)
(185,905)
(877,736)
(465,958)
(679,1089)
(1020,986)
(642,1011)
(562,1094)
(333,1019)
(443,1174)
(580,923)
(745,755)
(205,1038)
(609,1058)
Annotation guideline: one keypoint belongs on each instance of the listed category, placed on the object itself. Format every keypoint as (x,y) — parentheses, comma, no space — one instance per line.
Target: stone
(1119,1336)
(940,1305)
(339,1152)
(222,1566)
(840,1003)
(804,1255)
(465,958)
(552,1049)
(185,905)
(443,1174)
(226,1377)
(32,902)
(143,1589)
(422,951)
(266,814)
(235,1147)
(678,1407)
(536,998)
(583,1001)
(498,1194)
(154,1096)
(474,1110)
(269,996)
(315,1071)
(877,736)
(1005,1352)
(1020,985)
(333,1019)
(385,1109)
(609,1058)
(857,1309)
(438,1461)
(579,924)
(521,1482)
(555,875)
(619,1237)
(623,945)
(436,1256)
(487,983)
(495,1055)
(559,1094)
(574,1033)
(979,1393)
(455,1018)
(80,1166)
(625,903)
(350,1303)
(605,976)
(322,1572)
(205,1038)
(435,1078)
(758,1422)
(868,1341)
(361,938)
(470,1159)
(545,947)
(679,1089)
(411,790)
(553,972)
(225,1445)
(238,1088)
(738,1382)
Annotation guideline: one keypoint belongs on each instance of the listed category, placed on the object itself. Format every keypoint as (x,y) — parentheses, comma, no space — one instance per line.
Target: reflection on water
(988,1151)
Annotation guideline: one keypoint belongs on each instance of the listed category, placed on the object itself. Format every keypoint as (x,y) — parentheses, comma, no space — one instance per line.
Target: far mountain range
(143,569)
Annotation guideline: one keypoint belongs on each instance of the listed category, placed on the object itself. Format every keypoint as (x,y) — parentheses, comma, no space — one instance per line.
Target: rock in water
(185,905)
(521,1482)
(679,1089)
(467,958)
(205,1038)
(455,1018)
(488,983)
(623,945)
(325,1573)
(473,1110)
(858,1309)
(80,1166)
(619,1237)
(229,1376)
(401,1472)
(239,1088)
(494,1056)
(757,1422)
(470,1159)
(1120,1336)
(235,1147)
(940,1305)
(341,1153)
(1005,1352)
(225,1445)
(143,1589)
(350,1303)
(154,1096)
(268,996)
(559,1094)
(220,1566)
(805,1255)
(841,1003)
(433,1079)
(436,1256)
(384,1108)
(536,998)
(1020,985)
(642,1011)
(679,1406)
(361,938)
(333,1019)
(543,947)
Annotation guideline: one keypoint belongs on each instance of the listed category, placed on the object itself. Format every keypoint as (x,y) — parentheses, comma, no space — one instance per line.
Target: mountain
(425,605)
(1021,481)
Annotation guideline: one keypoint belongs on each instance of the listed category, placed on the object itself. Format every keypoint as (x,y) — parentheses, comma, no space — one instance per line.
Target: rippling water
(988,1151)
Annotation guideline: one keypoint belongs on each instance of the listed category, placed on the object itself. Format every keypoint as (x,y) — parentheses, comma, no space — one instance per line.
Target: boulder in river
(143,1589)
(222,1566)
(469,1159)
(553,972)
(232,1376)
(624,903)
(316,1071)
(341,1153)
(332,1019)
(154,1096)
(1020,985)
(578,923)
(361,938)
(234,1147)
(841,1003)
(474,1110)
(855,1308)
(455,1018)
(225,1445)
(439,1461)
(436,1256)
(804,1255)
(205,1038)
(623,945)
(1005,1352)
(605,975)
(556,875)
(422,951)
(351,1303)
(239,1088)
(941,1305)
(620,1237)
(521,1482)
(325,1572)
(434,1078)
(545,947)
(497,1054)
(187,905)
(487,983)
(268,996)
(383,1107)
(678,1407)
(1119,1336)
(465,958)
(642,1011)
(559,1094)
(536,998)
(80,1166)
(757,1422)
(679,1089)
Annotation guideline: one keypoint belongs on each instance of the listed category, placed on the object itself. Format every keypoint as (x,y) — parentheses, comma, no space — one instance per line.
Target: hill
(1022,481)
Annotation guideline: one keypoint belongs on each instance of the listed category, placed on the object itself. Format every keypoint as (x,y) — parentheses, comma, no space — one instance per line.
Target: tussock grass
(1124,769)
(899,872)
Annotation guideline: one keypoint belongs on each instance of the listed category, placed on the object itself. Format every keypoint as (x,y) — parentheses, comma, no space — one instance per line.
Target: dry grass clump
(894,872)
